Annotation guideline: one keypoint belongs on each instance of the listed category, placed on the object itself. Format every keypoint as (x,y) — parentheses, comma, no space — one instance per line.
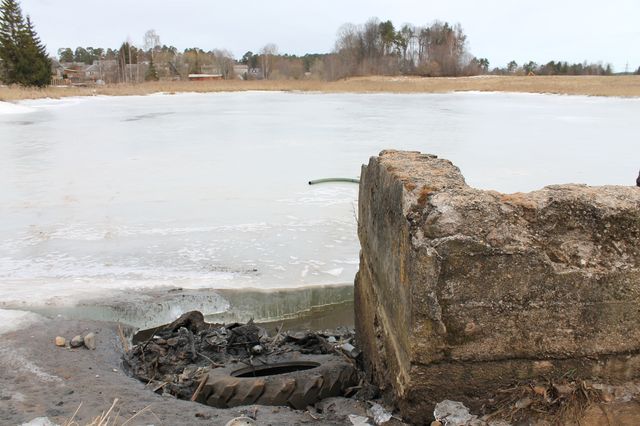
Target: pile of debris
(241,364)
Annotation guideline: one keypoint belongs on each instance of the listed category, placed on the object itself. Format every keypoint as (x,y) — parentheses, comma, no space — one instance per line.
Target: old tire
(317,377)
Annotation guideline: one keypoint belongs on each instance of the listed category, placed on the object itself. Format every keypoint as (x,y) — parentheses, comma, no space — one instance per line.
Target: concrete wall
(462,291)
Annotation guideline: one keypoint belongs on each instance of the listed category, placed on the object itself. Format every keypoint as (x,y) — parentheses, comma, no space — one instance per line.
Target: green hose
(350,180)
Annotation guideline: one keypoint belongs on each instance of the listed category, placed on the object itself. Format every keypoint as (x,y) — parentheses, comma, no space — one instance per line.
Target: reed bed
(622,86)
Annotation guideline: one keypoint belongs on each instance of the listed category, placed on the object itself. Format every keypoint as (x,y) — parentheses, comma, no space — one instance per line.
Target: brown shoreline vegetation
(620,86)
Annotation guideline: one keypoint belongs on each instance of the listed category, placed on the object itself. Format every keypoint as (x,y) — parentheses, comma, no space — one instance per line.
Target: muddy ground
(38,379)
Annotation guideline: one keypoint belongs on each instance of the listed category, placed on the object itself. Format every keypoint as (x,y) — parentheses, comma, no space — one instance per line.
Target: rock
(454,413)
(192,321)
(40,421)
(77,341)
(60,341)
(359,420)
(333,405)
(241,421)
(540,390)
(379,414)
(564,390)
(90,341)
(523,403)
(350,350)
(462,291)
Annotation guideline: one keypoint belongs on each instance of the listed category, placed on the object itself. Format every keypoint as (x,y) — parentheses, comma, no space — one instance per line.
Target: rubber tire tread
(296,389)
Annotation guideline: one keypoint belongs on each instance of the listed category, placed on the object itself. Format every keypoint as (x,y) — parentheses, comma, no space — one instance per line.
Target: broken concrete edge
(472,289)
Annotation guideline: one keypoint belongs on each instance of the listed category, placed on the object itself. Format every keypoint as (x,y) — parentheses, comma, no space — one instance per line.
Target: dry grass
(563,403)
(111,417)
(625,86)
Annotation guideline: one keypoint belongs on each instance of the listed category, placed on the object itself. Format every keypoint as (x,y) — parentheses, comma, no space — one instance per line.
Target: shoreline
(42,380)
(150,308)
(627,86)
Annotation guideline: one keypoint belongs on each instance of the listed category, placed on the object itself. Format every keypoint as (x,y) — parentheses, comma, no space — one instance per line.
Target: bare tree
(224,60)
(130,59)
(349,52)
(151,41)
(267,54)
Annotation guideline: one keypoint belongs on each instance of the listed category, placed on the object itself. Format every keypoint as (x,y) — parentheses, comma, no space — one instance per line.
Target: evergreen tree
(11,25)
(152,72)
(23,57)
(35,69)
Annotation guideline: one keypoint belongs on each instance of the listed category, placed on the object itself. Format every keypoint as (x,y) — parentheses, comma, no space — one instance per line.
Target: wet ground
(39,379)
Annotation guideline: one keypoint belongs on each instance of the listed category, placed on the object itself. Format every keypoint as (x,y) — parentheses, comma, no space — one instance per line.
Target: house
(255,74)
(57,72)
(240,70)
(74,73)
(204,77)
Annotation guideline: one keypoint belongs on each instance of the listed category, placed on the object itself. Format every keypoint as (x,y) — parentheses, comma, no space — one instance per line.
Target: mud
(39,379)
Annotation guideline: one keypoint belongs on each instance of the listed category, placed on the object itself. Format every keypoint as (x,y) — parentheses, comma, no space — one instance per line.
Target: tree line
(23,57)
(555,68)
(168,62)
(377,47)
(373,48)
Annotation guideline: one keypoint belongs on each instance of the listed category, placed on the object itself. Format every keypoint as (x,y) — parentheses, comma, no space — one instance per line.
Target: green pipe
(350,180)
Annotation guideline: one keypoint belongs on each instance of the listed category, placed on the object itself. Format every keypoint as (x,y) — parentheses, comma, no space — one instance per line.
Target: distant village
(372,48)
(109,71)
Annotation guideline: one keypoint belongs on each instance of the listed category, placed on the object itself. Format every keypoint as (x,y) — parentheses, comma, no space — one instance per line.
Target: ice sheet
(210,190)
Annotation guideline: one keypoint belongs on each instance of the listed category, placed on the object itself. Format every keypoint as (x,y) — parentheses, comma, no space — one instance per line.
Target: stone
(77,341)
(454,413)
(564,390)
(350,350)
(241,421)
(523,403)
(192,321)
(379,414)
(461,291)
(90,341)
(40,421)
(60,341)
(359,420)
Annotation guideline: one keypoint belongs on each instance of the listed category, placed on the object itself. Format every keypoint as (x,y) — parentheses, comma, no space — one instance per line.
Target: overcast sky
(500,30)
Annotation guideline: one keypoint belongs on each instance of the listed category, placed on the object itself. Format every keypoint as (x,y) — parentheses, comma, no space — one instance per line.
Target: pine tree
(35,67)
(23,57)
(152,72)
(11,25)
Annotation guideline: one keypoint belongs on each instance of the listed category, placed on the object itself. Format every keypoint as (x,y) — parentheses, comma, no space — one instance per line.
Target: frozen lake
(210,190)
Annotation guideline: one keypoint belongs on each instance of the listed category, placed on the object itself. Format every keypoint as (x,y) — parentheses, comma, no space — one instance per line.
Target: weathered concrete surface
(462,291)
